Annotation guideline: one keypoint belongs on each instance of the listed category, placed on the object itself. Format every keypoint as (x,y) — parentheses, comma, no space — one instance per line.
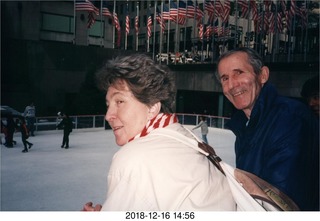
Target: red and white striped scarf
(159,121)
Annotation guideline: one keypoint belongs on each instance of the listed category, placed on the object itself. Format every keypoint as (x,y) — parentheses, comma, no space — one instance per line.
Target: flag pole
(185,33)
(148,39)
(306,36)
(249,24)
(137,28)
(194,28)
(236,40)
(176,43)
(114,27)
(101,24)
(126,38)
(168,33)
(74,22)
(213,34)
(202,41)
(160,43)
(154,30)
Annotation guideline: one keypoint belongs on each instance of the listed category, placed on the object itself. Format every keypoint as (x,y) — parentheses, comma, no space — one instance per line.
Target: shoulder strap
(255,186)
(263,195)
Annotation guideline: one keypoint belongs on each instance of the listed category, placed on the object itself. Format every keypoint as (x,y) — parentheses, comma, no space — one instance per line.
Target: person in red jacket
(22,126)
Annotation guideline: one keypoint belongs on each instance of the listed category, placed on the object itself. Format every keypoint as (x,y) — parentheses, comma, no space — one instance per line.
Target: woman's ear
(154,110)
(264,75)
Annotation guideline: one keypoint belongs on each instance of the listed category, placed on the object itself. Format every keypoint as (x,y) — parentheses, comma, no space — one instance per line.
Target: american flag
(116,21)
(244,8)
(225,29)
(266,22)
(91,20)
(174,14)
(190,9)
(86,5)
(165,13)
(272,23)
(127,24)
(127,21)
(267,4)
(199,12)
(209,32)
(117,24)
(218,9)
(208,6)
(105,10)
(216,26)
(254,10)
(173,10)
(290,14)
(226,9)
(136,24)
(258,23)
(283,5)
(302,12)
(279,22)
(200,26)
(182,9)
(149,25)
(288,20)
(292,8)
(160,20)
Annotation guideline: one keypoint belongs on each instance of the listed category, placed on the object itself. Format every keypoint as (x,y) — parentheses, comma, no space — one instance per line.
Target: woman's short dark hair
(253,58)
(149,82)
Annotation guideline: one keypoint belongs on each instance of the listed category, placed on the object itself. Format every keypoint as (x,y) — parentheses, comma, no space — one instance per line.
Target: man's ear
(154,110)
(264,75)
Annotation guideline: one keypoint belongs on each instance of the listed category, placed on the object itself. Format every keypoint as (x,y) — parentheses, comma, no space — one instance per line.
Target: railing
(98,121)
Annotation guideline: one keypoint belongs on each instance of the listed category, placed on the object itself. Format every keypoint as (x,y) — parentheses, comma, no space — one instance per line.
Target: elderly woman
(156,167)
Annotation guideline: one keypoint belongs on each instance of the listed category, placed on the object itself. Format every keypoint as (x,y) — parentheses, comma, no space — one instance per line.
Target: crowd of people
(25,124)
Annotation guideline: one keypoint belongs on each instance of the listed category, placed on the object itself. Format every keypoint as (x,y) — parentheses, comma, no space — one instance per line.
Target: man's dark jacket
(280,144)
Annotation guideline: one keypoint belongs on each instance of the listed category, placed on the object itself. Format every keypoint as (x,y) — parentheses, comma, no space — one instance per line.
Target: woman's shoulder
(159,143)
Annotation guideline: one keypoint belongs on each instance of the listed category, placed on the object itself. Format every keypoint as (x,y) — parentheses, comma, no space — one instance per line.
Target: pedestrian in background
(22,127)
(10,129)
(204,128)
(66,124)
(30,116)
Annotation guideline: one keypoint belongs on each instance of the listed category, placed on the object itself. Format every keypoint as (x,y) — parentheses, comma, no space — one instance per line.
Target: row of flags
(268,16)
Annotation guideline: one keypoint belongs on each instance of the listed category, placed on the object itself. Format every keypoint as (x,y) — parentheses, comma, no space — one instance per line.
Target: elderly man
(276,137)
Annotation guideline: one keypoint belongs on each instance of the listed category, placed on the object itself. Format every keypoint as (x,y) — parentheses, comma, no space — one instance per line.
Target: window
(57,23)
(97,29)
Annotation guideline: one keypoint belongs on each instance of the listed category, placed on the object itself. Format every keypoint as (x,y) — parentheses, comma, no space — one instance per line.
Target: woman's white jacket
(164,172)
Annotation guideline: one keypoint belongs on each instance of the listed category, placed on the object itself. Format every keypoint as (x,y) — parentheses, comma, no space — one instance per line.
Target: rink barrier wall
(98,121)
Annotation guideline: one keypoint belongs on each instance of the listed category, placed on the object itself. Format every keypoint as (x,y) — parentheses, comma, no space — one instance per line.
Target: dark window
(57,23)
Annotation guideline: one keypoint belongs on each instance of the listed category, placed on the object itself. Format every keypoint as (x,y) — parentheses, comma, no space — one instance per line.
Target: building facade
(50,49)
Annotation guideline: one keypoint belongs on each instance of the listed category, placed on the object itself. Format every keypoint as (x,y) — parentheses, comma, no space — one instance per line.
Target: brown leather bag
(266,197)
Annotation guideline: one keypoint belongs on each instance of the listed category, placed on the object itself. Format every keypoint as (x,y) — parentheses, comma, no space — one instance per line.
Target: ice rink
(50,178)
